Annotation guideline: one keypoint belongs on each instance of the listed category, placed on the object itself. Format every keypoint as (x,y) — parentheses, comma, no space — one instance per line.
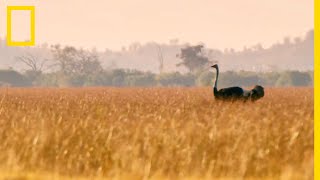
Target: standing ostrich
(236,93)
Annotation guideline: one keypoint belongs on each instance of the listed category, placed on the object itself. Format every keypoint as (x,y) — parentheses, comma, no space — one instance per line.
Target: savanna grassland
(154,133)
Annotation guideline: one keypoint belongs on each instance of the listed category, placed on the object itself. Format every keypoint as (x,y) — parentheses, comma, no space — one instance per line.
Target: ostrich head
(215,66)
(256,93)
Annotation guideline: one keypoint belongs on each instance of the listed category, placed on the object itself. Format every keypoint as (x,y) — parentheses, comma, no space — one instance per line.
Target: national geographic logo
(12,7)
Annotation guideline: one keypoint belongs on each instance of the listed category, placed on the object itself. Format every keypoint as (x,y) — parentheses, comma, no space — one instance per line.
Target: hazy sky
(116,23)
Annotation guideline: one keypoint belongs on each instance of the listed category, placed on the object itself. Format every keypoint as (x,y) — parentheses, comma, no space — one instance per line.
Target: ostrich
(236,93)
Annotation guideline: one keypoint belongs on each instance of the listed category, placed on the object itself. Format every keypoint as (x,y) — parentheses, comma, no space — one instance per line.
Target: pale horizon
(115,24)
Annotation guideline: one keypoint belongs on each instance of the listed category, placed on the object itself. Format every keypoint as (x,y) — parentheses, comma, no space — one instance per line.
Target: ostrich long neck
(215,88)
(217,76)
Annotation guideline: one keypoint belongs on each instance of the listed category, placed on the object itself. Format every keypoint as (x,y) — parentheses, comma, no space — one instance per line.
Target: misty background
(285,63)
(160,43)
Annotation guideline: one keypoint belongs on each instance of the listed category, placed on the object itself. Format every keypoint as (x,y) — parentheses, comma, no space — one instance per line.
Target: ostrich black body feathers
(236,93)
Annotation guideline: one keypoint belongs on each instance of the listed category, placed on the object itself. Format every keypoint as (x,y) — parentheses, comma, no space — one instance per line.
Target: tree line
(123,78)
(71,67)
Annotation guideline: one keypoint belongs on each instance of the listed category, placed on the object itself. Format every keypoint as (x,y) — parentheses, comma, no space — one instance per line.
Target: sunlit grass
(136,133)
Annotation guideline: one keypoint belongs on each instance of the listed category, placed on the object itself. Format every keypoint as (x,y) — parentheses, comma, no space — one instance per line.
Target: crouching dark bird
(236,93)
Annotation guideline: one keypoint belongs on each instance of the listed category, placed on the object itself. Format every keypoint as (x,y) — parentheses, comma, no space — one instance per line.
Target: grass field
(157,133)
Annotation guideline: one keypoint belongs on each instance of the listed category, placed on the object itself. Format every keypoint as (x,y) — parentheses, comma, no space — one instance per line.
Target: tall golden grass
(154,133)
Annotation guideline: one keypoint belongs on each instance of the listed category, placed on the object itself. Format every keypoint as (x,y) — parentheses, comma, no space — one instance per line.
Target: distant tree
(287,41)
(176,79)
(206,78)
(118,77)
(147,79)
(70,60)
(35,65)
(300,78)
(311,75)
(192,58)
(174,42)
(249,78)
(160,59)
(49,80)
(13,78)
(294,78)
(269,78)
(297,40)
(104,78)
(228,78)
(76,66)
(257,47)
(135,46)
(33,62)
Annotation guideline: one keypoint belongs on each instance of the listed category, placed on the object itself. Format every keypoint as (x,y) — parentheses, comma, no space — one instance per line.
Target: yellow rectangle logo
(10,42)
